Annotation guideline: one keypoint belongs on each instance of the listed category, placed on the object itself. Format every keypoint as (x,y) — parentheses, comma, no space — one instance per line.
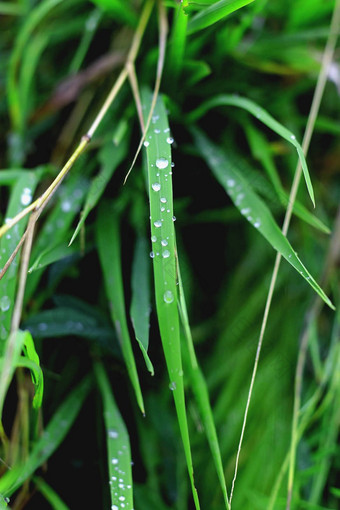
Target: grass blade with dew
(214,13)
(158,152)
(200,390)
(140,302)
(109,157)
(251,206)
(262,115)
(108,242)
(51,438)
(20,196)
(118,446)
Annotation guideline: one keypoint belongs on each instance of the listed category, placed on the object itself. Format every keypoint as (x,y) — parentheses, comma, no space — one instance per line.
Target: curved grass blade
(200,390)
(265,118)
(31,355)
(251,206)
(118,446)
(108,242)
(158,153)
(140,302)
(215,12)
(53,435)
(110,157)
(49,494)
(260,149)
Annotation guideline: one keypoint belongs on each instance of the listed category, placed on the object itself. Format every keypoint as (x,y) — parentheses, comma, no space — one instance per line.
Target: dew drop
(172,164)
(153,239)
(157,131)
(164,242)
(257,224)
(157,223)
(152,254)
(293,137)
(5,303)
(113,434)
(166,254)
(121,498)
(146,143)
(26,196)
(230,183)
(162,163)
(168,296)
(170,140)
(114,507)
(156,186)
(174,218)
(162,209)
(172,386)
(246,210)
(66,206)
(114,461)
(163,200)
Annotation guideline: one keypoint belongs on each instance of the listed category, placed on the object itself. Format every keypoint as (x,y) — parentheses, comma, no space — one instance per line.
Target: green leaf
(108,242)
(53,435)
(215,12)
(251,206)
(263,116)
(36,372)
(118,446)
(140,303)
(159,170)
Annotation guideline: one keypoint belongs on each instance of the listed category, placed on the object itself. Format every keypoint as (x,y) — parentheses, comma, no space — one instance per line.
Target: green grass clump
(160,160)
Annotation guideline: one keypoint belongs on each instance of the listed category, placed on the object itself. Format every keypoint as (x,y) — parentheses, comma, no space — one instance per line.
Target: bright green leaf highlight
(215,12)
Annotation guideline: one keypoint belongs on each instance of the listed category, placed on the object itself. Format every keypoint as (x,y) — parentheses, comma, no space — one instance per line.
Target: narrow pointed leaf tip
(262,115)
(252,207)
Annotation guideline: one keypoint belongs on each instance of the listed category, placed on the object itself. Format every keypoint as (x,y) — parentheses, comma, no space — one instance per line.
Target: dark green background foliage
(235,95)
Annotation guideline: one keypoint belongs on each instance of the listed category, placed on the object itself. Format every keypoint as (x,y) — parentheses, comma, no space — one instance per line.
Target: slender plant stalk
(326,60)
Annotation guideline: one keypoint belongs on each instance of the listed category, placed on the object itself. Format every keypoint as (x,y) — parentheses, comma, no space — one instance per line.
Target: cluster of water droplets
(117,482)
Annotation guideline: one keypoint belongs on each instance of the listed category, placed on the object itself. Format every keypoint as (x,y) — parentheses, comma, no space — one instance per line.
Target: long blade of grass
(262,115)
(108,242)
(140,302)
(164,262)
(53,435)
(215,12)
(252,207)
(118,446)
(200,390)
